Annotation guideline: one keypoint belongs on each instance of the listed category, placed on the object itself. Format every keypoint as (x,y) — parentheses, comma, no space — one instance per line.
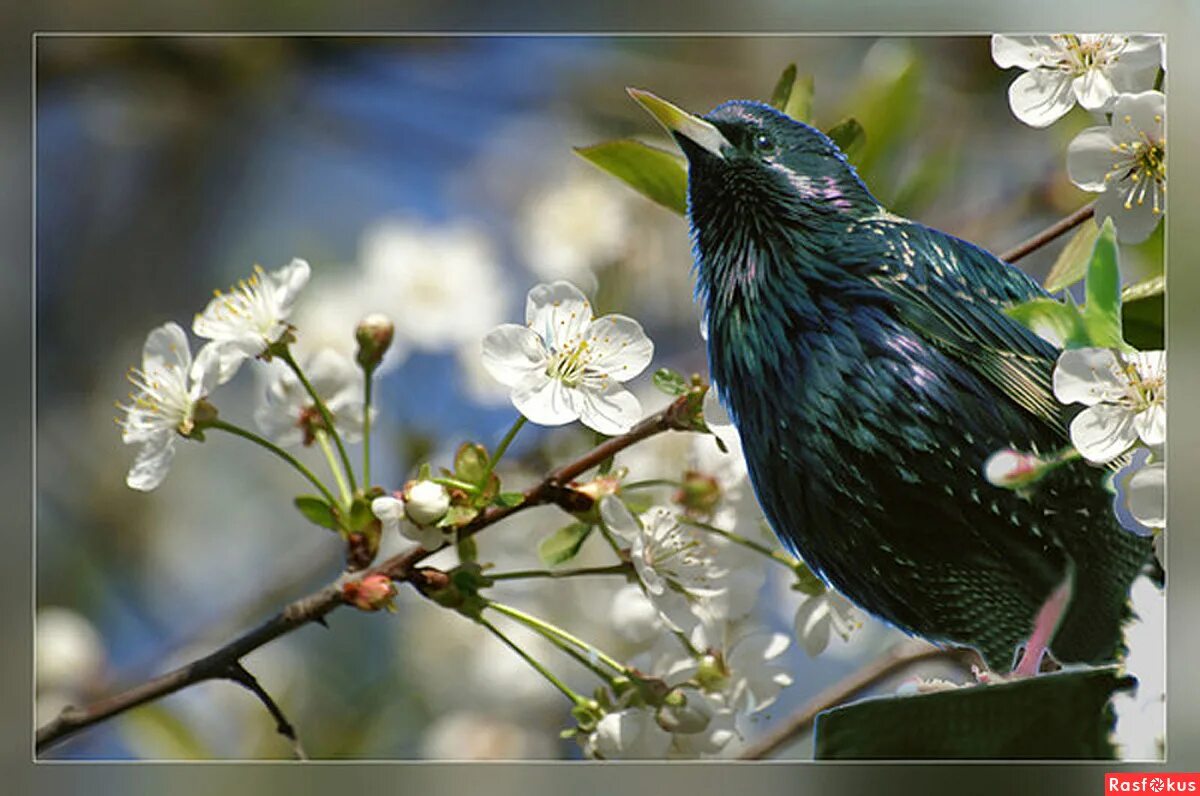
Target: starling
(870,369)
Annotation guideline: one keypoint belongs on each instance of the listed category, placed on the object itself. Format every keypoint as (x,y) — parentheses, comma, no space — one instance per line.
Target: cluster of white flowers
(1113,76)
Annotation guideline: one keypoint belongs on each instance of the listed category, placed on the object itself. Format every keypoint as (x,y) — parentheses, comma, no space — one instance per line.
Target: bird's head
(750,164)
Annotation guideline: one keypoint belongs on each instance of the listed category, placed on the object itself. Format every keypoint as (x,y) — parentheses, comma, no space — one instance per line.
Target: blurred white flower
(822,614)
(1125,395)
(563,365)
(68,651)
(169,385)
(471,735)
(287,413)
(576,226)
(633,615)
(1088,68)
(1141,499)
(441,285)
(1126,162)
(1141,715)
(701,728)
(252,316)
(338,302)
(475,379)
(396,517)
(631,734)
(741,663)
(675,568)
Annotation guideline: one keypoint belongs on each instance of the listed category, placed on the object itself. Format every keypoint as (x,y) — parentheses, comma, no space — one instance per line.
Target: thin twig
(1050,233)
(240,675)
(315,606)
(891,663)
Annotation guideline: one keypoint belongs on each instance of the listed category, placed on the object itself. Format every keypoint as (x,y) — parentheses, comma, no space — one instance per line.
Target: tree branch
(221,663)
(1050,233)
(241,675)
(893,662)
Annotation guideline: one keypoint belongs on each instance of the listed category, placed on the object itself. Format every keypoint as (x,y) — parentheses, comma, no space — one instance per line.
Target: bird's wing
(953,294)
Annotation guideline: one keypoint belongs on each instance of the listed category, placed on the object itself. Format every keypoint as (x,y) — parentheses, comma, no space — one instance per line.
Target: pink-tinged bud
(374,334)
(371,593)
(1013,469)
(699,494)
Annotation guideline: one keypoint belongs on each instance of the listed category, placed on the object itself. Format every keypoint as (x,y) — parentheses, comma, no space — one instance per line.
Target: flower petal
(1151,424)
(1134,223)
(1134,114)
(619,347)
(1041,97)
(545,401)
(512,352)
(1089,376)
(152,462)
(611,410)
(1093,89)
(166,348)
(1090,158)
(1027,52)
(1103,432)
(289,281)
(813,623)
(618,518)
(559,312)
(1146,495)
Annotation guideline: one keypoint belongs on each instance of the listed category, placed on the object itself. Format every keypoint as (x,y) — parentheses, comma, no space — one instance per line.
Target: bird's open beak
(681,123)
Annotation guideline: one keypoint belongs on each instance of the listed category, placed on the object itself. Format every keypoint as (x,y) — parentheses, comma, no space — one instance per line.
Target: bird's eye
(763,142)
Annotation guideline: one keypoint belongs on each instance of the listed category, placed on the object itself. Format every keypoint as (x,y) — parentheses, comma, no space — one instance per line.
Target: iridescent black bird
(870,369)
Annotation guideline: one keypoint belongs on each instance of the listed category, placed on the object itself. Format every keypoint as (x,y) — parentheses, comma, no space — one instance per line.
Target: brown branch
(313,608)
(1050,233)
(893,662)
(241,675)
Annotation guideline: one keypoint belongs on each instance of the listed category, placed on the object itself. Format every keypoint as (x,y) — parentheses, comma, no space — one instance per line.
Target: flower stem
(775,555)
(368,379)
(454,483)
(557,634)
(238,431)
(334,467)
(583,659)
(542,670)
(523,574)
(501,449)
(650,483)
(325,416)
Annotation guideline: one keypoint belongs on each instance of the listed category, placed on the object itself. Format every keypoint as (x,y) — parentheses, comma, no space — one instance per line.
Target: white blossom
(576,226)
(328,321)
(702,727)
(1088,68)
(426,502)
(441,285)
(1141,499)
(823,614)
(1126,162)
(169,385)
(68,651)
(564,365)
(287,413)
(742,663)
(1125,395)
(676,569)
(631,733)
(249,319)
(391,512)
(634,617)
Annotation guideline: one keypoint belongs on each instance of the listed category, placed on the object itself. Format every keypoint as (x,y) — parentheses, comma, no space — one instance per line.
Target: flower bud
(425,502)
(374,334)
(699,494)
(1013,469)
(711,674)
(371,593)
(684,713)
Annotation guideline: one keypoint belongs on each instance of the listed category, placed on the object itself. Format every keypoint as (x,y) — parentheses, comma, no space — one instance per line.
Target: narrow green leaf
(655,173)
(316,511)
(806,581)
(1059,323)
(849,136)
(360,514)
(1155,286)
(458,515)
(670,382)
(1072,262)
(783,87)
(563,545)
(509,499)
(1102,312)
(470,462)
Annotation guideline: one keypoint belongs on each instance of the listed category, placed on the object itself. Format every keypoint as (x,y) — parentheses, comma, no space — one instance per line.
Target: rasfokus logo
(1151,782)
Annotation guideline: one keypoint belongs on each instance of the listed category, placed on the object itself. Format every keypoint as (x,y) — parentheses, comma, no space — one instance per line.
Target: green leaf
(670,382)
(458,515)
(468,551)
(470,463)
(563,545)
(1072,262)
(1057,322)
(1142,314)
(317,511)
(850,137)
(360,514)
(1102,312)
(1059,716)
(794,94)
(806,581)
(658,175)
(888,110)
(509,499)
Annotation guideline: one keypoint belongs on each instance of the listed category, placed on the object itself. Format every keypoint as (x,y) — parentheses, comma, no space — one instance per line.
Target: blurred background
(168,166)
